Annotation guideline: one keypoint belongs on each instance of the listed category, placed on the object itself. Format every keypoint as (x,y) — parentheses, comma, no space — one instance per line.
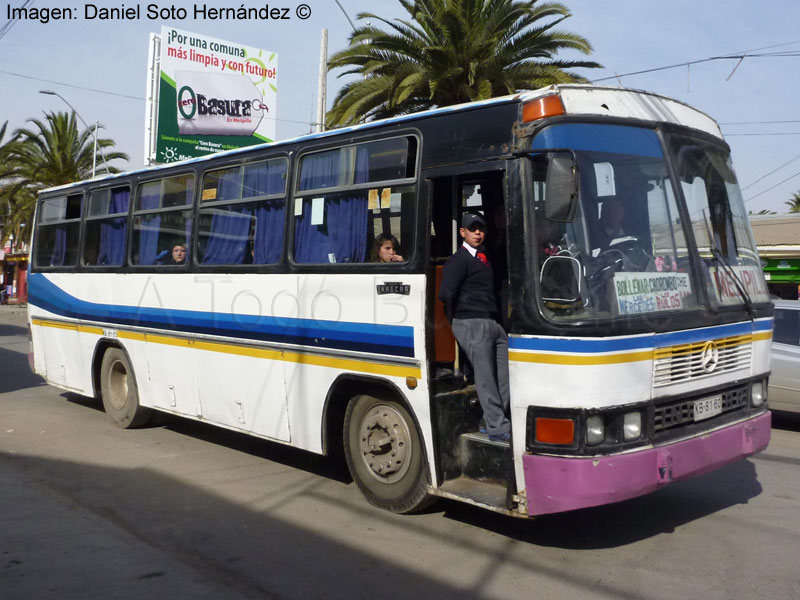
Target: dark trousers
(486,345)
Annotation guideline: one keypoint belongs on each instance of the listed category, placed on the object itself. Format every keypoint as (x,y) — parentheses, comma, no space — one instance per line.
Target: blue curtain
(344,230)
(266,179)
(150,197)
(148,239)
(189,220)
(59,247)
(151,225)
(112,241)
(229,185)
(113,231)
(269,232)
(230,232)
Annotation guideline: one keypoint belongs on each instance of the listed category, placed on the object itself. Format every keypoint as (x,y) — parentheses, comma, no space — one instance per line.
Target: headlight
(595,430)
(758,393)
(632,426)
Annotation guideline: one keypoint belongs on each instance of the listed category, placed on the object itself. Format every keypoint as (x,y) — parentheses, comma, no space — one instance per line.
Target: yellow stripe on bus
(348,364)
(68,326)
(609,359)
(580,359)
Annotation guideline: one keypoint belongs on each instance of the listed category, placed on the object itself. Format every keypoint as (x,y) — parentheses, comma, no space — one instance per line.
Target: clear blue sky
(627,36)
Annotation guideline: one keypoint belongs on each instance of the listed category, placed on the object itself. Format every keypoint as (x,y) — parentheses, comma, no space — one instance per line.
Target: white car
(784,383)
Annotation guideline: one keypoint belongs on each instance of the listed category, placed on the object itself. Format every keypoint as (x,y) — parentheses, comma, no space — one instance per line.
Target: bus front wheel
(119,391)
(384,453)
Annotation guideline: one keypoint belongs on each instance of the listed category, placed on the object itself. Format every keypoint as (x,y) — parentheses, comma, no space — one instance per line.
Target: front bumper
(557,484)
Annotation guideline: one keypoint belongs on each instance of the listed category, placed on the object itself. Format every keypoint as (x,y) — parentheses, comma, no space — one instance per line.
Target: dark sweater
(467,287)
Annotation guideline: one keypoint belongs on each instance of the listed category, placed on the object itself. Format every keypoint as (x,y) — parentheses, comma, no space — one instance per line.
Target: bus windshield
(625,251)
(718,220)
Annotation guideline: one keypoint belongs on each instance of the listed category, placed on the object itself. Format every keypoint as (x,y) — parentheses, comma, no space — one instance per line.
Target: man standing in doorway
(470,303)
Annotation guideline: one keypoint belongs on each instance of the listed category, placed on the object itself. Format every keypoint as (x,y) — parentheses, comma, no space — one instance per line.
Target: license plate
(707,408)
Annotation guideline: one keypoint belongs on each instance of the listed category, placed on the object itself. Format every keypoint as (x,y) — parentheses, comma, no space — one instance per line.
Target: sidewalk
(13,310)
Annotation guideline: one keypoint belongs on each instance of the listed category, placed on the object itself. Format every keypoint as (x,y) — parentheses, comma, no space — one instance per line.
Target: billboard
(208,95)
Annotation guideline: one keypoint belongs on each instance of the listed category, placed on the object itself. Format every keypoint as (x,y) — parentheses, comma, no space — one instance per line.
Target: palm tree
(5,208)
(794,203)
(50,153)
(453,51)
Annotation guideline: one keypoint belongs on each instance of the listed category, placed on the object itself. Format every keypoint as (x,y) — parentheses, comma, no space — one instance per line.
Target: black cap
(470,220)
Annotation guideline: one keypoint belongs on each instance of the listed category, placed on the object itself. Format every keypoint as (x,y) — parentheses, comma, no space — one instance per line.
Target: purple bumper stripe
(555,484)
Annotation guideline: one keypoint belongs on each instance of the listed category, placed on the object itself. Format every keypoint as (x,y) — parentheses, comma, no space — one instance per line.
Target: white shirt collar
(469,248)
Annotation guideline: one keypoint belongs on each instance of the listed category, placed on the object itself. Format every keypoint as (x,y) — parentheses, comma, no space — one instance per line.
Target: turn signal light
(555,431)
(547,106)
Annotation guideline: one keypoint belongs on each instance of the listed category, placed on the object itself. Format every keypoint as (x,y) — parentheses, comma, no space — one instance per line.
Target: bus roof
(578,99)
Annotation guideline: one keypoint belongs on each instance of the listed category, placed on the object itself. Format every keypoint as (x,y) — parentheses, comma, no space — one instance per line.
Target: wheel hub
(385,443)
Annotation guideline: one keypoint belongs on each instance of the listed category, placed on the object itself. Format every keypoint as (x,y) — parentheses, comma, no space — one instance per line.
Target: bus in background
(245,289)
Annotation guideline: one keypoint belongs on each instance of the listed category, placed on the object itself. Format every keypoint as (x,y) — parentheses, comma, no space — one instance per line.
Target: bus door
(451,197)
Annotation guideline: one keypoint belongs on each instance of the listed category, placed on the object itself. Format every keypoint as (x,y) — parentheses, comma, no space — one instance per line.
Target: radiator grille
(682,411)
(685,363)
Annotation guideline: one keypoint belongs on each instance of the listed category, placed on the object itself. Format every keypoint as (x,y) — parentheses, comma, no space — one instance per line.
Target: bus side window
(162,220)
(242,214)
(106,227)
(59,231)
(374,192)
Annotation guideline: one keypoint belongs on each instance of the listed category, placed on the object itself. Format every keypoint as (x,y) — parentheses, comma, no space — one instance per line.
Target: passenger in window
(176,257)
(178,254)
(386,249)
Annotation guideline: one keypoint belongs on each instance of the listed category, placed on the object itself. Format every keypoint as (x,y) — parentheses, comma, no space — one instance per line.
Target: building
(778,241)
(14,272)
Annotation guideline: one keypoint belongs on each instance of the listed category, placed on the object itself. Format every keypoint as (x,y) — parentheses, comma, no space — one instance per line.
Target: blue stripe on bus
(763,325)
(394,340)
(645,342)
(593,137)
(582,345)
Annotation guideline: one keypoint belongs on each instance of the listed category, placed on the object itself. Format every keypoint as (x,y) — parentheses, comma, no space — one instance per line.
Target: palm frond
(453,51)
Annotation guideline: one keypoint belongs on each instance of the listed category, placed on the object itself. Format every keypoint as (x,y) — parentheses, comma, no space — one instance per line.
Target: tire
(119,391)
(385,455)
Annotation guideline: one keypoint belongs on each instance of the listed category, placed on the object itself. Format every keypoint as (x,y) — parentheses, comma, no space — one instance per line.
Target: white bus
(628,280)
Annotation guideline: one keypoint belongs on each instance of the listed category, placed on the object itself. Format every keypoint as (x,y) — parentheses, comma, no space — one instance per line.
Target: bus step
(480,493)
(485,460)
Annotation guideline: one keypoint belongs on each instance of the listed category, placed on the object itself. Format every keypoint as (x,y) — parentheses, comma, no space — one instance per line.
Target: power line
(740,55)
(97,91)
(758,122)
(69,85)
(787,163)
(11,22)
(767,134)
(773,187)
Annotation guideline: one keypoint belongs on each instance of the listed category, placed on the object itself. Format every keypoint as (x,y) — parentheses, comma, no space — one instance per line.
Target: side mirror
(561,189)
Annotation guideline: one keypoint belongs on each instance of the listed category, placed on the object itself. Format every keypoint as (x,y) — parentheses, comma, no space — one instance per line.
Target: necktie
(482,257)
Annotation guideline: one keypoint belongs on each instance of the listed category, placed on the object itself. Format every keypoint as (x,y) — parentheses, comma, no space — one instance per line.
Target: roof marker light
(546,106)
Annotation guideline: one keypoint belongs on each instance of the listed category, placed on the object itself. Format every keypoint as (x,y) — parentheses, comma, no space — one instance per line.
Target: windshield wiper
(748,302)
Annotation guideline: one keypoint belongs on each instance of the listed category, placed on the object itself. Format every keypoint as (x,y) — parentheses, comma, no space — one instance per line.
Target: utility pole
(323,81)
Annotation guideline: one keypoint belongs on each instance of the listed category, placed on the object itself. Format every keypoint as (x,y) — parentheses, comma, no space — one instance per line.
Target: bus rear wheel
(384,453)
(119,391)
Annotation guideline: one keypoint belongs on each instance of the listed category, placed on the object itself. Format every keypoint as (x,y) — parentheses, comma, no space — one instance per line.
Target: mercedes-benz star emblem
(709,357)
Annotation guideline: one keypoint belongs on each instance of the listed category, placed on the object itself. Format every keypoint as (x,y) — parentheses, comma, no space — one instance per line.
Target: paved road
(183,510)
